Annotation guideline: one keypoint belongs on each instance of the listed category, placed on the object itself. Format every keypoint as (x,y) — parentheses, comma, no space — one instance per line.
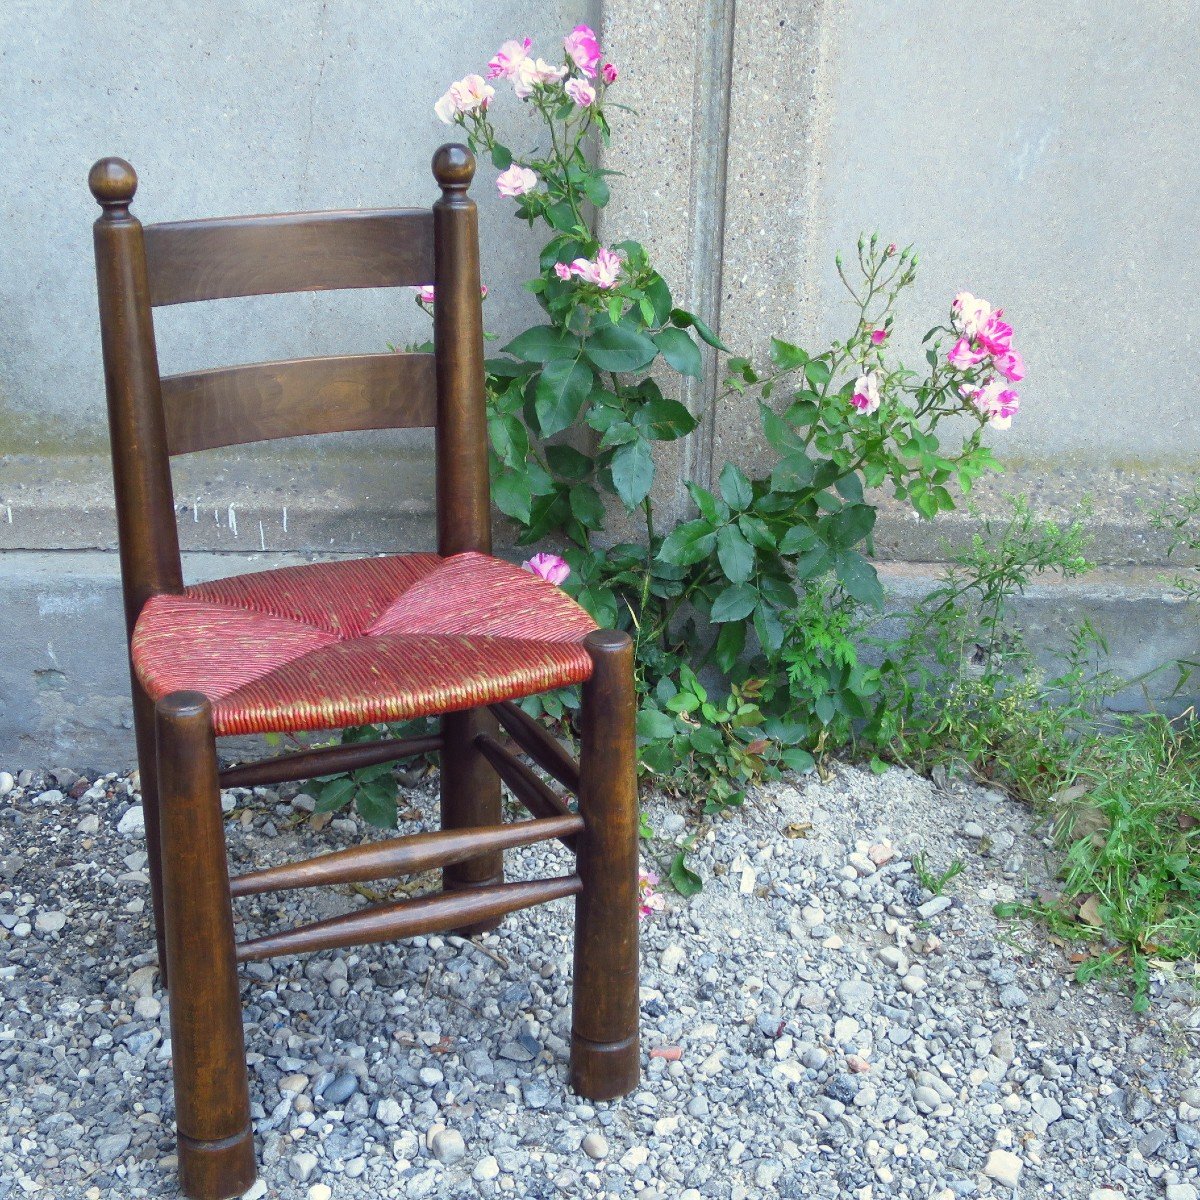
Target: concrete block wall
(1045,166)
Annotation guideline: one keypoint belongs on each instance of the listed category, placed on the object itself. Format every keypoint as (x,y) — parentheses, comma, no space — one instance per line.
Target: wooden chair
(323,646)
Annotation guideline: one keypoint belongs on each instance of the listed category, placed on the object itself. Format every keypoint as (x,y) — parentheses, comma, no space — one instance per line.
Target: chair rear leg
(212,1099)
(470,796)
(605,1055)
(143,726)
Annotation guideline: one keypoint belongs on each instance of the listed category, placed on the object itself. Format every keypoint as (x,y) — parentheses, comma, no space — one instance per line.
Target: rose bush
(577,409)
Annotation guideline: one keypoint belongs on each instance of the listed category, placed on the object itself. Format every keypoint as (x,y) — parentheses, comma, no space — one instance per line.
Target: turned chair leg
(212,1098)
(143,727)
(605,1055)
(470,796)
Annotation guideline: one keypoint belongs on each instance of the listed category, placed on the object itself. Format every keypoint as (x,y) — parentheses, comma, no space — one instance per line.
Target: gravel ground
(814,1023)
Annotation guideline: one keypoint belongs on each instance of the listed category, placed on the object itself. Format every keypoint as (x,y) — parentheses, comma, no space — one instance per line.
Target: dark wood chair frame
(153,417)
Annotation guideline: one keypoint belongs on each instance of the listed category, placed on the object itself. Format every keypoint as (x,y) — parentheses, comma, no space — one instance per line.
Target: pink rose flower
(472,94)
(648,899)
(548,567)
(562,270)
(507,59)
(609,72)
(583,48)
(963,356)
(602,272)
(530,74)
(970,313)
(1011,365)
(995,335)
(581,92)
(516,181)
(866,393)
(878,336)
(998,403)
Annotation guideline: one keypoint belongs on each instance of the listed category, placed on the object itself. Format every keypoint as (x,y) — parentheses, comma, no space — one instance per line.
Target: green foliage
(372,790)
(1181,520)
(960,682)
(935,881)
(1131,836)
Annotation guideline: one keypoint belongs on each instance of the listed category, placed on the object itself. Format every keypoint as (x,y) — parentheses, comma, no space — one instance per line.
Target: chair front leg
(470,796)
(147,753)
(605,1054)
(212,1099)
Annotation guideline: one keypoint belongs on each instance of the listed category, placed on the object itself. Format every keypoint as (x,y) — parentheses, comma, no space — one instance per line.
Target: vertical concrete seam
(711,104)
(814,177)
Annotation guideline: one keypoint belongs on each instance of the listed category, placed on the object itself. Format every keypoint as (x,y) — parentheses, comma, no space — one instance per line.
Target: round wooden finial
(453,167)
(113,182)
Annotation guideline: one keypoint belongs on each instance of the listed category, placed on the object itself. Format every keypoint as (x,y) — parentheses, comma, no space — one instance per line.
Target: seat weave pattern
(349,643)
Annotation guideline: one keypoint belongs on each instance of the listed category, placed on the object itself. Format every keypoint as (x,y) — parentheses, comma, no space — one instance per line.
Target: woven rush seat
(347,643)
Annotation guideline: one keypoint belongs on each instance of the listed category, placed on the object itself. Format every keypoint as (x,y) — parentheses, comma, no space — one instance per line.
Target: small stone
(141,982)
(1013,997)
(672,958)
(49,922)
(634,1157)
(302,1166)
(355,1167)
(293,1084)
(1181,1191)
(449,1147)
(7,783)
(913,984)
(89,824)
(341,1089)
(133,822)
(1004,1167)
(111,1146)
(1106,1194)
(882,854)
(486,1168)
(389,1112)
(258,1189)
(1047,1108)
(303,802)
(595,1146)
(320,1191)
(931,908)
(973,829)
(148,1008)
(857,1064)
(895,958)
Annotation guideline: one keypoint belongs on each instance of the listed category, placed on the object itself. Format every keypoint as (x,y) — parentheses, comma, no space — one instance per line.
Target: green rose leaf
(376,804)
(335,794)
(680,351)
(735,603)
(632,471)
(786,356)
(683,319)
(691,542)
(664,419)
(735,487)
(735,554)
(859,578)
(559,394)
(587,507)
(793,473)
(501,157)
(684,880)
(513,496)
(659,296)
(618,348)
(568,462)
(654,725)
(543,343)
(848,526)
(731,641)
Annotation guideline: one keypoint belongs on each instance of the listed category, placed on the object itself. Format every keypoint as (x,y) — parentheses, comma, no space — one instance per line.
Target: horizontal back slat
(294,252)
(230,406)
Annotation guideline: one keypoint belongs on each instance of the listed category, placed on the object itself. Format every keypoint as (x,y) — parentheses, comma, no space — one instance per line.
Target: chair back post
(146,529)
(463,495)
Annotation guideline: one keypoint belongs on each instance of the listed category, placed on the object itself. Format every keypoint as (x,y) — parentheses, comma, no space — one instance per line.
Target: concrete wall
(1043,161)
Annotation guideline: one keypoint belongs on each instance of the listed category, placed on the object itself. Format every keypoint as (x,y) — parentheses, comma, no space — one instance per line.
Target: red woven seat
(349,643)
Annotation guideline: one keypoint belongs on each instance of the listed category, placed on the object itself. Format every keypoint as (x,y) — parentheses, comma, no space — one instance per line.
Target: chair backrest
(152,417)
